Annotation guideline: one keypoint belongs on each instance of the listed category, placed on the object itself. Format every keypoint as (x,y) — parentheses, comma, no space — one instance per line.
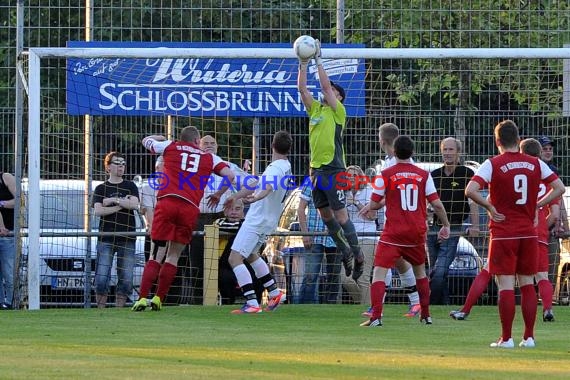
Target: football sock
(477,288)
(528,308)
(246,284)
(423,289)
(351,236)
(377,292)
(545,291)
(150,274)
(260,268)
(270,284)
(388,279)
(249,294)
(335,232)
(507,312)
(409,284)
(165,278)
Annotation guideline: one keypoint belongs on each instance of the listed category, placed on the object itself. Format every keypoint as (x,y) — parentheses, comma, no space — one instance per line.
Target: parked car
(63,258)
(289,251)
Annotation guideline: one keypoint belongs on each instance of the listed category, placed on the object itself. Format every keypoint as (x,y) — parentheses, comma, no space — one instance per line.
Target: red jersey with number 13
(187,169)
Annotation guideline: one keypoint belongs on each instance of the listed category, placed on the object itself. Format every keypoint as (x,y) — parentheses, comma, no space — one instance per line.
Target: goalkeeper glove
(318,59)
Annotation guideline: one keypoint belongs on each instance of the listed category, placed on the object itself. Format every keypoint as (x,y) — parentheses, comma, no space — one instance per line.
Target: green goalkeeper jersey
(326,127)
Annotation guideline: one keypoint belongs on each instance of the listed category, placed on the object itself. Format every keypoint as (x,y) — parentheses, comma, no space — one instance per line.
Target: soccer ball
(305,47)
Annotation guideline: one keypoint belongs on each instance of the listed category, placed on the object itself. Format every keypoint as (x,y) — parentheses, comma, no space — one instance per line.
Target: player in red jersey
(514,179)
(187,169)
(406,188)
(546,217)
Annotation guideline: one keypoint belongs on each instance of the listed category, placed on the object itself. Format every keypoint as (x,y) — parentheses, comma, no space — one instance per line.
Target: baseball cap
(545,140)
(340,90)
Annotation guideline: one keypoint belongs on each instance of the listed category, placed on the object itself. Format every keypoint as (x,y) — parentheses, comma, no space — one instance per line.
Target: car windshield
(289,214)
(61,210)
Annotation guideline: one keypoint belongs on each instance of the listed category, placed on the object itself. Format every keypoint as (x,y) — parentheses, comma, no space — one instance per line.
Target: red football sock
(477,288)
(545,291)
(150,273)
(165,278)
(528,308)
(507,312)
(377,292)
(423,290)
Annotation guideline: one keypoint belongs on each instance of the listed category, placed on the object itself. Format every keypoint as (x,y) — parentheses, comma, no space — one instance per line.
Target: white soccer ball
(305,47)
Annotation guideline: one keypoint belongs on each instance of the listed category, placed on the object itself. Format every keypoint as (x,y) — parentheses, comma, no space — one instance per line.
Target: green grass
(296,341)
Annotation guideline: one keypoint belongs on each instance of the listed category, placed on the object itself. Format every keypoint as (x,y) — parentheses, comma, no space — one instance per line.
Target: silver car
(63,245)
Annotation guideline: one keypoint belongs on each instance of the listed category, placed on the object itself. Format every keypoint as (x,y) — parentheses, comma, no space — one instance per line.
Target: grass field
(294,342)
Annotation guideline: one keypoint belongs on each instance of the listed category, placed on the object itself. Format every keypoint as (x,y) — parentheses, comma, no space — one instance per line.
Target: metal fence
(428,99)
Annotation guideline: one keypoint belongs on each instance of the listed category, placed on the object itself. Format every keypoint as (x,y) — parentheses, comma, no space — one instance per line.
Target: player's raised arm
(306,95)
(326,87)
(155,143)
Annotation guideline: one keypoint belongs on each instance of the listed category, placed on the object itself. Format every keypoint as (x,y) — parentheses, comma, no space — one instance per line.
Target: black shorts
(328,189)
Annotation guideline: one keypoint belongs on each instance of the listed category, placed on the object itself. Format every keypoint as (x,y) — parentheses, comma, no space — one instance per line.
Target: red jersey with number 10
(187,169)
(406,188)
(514,180)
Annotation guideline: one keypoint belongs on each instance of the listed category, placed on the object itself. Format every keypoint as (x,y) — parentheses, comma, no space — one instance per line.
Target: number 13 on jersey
(189,162)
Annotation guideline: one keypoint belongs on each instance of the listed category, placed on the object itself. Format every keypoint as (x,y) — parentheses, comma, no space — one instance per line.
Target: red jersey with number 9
(187,170)
(514,181)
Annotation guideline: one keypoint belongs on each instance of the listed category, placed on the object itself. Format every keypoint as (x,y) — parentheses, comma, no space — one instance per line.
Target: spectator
(114,202)
(326,127)
(450,181)
(357,197)
(406,189)
(185,165)
(7,247)
(513,179)
(315,248)
(148,204)
(560,228)
(227,282)
(208,215)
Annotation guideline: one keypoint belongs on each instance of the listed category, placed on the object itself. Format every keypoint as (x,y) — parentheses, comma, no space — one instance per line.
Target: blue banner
(217,87)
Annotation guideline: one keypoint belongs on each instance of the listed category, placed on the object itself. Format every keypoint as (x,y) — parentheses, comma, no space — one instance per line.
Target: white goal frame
(34,103)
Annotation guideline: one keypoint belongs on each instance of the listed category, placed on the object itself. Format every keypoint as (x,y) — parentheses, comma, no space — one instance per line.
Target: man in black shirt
(450,181)
(114,201)
(227,282)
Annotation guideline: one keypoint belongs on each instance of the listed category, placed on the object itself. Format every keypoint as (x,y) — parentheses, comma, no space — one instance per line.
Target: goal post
(389,93)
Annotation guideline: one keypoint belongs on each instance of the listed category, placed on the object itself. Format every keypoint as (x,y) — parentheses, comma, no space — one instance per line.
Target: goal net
(90,99)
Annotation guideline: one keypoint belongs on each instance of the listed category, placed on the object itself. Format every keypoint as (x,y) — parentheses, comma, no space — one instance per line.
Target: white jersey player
(266,204)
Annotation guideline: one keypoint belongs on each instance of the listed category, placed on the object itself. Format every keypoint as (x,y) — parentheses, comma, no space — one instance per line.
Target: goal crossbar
(340,53)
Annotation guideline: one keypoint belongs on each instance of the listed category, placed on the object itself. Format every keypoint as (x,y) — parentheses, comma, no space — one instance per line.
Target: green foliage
(449,24)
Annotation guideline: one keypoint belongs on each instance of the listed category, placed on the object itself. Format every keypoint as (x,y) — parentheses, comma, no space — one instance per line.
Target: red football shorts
(542,257)
(513,256)
(174,220)
(386,255)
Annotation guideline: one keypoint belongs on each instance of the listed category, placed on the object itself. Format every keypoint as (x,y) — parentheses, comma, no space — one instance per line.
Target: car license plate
(67,282)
